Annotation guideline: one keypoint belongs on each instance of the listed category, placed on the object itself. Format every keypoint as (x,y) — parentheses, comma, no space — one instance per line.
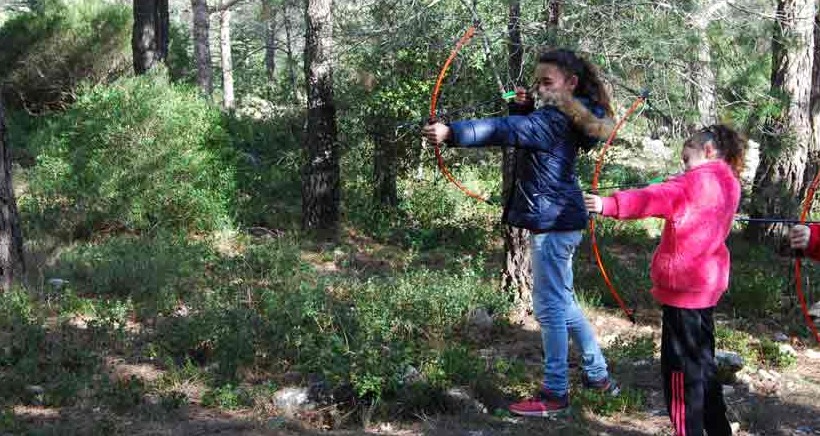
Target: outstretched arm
(658,201)
(536,131)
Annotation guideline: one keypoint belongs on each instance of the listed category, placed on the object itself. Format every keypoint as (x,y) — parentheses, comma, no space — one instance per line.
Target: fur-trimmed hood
(581,116)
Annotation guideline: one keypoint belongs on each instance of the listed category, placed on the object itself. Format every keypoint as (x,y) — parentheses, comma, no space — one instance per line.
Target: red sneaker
(606,385)
(545,404)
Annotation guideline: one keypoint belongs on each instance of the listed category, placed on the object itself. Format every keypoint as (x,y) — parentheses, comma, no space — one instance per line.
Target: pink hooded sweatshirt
(690,268)
(813,250)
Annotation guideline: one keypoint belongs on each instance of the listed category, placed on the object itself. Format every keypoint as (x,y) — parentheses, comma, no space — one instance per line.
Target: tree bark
(552,13)
(271,43)
(384,169)
(321,172)
(815,96)
(289,51)
(516,276)
(202,47)
(149,40)
(704,88)
(226,59)
(780,176)
(11,237)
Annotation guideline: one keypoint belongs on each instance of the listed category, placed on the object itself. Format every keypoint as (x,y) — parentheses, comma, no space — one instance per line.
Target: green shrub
(268,171)
(772,355)
(47,53)
(631,349)
(154,273)
(140,155)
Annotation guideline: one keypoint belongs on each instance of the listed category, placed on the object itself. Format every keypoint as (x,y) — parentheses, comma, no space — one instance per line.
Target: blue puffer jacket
(545,194)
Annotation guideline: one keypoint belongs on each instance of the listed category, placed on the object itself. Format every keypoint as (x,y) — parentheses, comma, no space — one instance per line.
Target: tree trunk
(163,30)
(704,89)
(705,84)
(225,57)
(384,169)
(149,40)
(780,176)
(11,238)
(552,13)
(289,51)
(321,172)
(271,45)
(202,47)
(815,96)
(516,276)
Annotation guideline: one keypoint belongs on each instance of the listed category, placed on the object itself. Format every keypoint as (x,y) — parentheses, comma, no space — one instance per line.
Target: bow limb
(485,43)
(798,284)
(630,313)
(468,35)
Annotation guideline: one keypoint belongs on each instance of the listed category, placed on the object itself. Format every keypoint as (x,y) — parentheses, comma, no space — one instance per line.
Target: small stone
(744,378)
(57,283)
(486,353)
(480,321)
(291,398)
(411,375)
(787,349)
(781,337)
(728,365)
(730,360)
(459,400)
(35,389)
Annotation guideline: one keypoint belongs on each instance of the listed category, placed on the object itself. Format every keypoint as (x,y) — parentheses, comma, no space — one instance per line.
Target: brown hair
(589,81)
(730,144)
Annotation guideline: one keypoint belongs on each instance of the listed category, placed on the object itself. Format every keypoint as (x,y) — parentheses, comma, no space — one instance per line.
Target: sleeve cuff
(813,250)
(610,206)
(520,109)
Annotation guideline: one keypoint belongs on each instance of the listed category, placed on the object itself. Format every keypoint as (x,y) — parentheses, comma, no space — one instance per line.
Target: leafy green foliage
(141,155)
(629,400)
(624,348)
(227,397)
(49,52)
(267,171)
(153,273)
(755,351)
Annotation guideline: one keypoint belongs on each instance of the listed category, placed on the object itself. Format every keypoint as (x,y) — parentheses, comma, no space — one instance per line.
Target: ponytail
(730,144)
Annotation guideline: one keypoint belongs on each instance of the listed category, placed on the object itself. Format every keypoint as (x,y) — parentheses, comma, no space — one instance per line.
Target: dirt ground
(766,403)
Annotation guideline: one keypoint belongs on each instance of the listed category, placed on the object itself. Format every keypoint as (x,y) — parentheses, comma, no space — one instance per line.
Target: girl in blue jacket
(570,113)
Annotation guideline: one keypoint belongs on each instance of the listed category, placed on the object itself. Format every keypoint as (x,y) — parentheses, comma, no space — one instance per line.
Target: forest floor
(762,402)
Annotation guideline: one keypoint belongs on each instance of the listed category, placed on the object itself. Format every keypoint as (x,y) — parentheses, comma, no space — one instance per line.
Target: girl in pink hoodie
(690,269)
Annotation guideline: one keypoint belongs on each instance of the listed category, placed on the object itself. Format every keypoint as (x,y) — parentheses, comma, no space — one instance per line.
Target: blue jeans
(557,310)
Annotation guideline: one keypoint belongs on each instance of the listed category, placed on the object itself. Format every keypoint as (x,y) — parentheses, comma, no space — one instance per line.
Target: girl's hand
(436,132)
(522,96)
(799,236)
(593,203)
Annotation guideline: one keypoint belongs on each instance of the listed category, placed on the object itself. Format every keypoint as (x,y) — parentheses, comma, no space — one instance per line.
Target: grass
(222,319)
(268,306)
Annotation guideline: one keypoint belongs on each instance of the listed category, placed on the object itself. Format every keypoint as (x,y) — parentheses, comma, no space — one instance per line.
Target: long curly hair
(590,84)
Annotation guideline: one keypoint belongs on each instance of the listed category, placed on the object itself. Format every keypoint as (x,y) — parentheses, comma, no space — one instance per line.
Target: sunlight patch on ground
(36,413)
